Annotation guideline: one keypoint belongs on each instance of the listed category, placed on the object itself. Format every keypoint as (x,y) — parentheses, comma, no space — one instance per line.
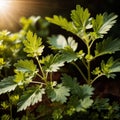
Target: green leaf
(77,104)
(68,55)
(30,97)
(107,46)
(60,42)
(80,21)
(101,104)
(33,45)
(80,18)
(96,71)
(62,22)
(71,83)
(97,23)
(76,89)
(4,105)
(52,63)
(66,47)
(25,71)
(25,66)
(19,77)
(23,78)
(59,93)
(103,23)
(80,54)
(57,114)
(7,85)
(84,104)
(85,91)
(5,117)
(110,67)
(57,42)
(27,23)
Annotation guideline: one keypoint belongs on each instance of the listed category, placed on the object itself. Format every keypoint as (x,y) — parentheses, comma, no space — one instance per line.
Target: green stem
(83,61)
(40,66)
(97,78)
(89,75)
(39,76)
(37,82)
(91,43)
(80,72)
(51,76)
(89,66)
(43,77)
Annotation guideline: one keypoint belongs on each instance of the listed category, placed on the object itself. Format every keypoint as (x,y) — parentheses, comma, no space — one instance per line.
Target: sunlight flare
(4,6)
(12,10)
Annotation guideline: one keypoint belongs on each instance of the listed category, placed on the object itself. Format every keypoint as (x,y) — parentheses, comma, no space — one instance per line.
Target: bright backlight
(4,5)
(12,10)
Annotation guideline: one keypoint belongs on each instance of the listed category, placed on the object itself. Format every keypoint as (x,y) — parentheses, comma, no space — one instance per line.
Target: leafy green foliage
(80,18)
(84,104)
(29,23)
(76,89)
(59,42)
(71,83)
(57,114)
(5,117)
(110,67)
(33,78)
(7,85)
(82,21)
(59,93)
(4,105)
(103,23)
(105,109)
(63,22)
(101,108)
(52,63)
(80,99)
(25,71)
(67,48)
(30,97)
(10,48)
(107,46)
(33,45)
(85,91)
(25,66)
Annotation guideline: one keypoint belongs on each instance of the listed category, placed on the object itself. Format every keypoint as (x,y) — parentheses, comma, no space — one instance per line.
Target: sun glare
(12,10)
(4,5)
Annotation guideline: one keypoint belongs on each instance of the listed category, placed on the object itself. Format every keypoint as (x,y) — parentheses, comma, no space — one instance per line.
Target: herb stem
(97,77)
(51,76)
(39,76)
(40,68)
(36,82)
(88,68)
(89,75)
(80,72)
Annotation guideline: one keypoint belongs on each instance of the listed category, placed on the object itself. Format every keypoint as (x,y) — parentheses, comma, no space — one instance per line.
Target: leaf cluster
(27,70)
(33,73)
(91,31)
